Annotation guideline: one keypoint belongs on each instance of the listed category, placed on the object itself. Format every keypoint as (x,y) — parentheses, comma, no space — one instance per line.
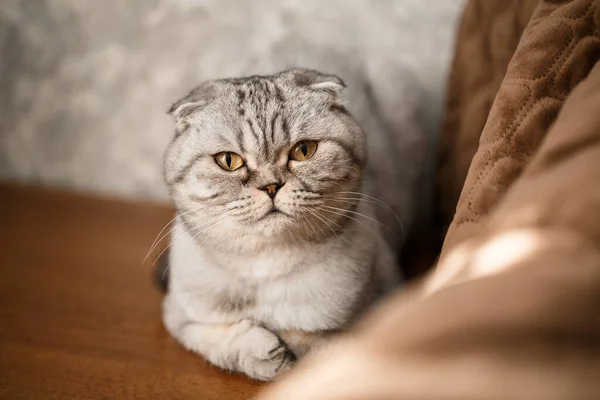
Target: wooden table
(79,316)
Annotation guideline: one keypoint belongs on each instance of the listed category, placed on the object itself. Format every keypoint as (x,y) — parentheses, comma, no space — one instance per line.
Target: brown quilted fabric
(512,310)
(486,41)
(559,47)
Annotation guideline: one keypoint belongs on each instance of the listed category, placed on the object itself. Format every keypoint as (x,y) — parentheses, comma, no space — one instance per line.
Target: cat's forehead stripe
(260,101)
(276,116)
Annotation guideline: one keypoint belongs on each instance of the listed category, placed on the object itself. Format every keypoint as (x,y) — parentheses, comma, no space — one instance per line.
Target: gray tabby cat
(275,248)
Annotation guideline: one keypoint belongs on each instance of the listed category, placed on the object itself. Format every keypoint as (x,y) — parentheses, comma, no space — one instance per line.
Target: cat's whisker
(175,227)
(157,241)
(345,239)
(347,216)
(370,197)
(313,228)
(375,200)
(169,243)
(198,230)
(210,227)
(289,231)
(364,216)
(315,214)
(358,198)
(346,200)
(319,226)
(183,233)
(344,213)
(303,219)
(162,278)
(355,201)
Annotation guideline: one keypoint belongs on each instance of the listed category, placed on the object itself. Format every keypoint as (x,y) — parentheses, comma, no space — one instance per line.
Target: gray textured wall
(84,84)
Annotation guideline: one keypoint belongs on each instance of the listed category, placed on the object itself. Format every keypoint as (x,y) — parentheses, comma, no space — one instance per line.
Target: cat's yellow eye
(229,161)
(304,150)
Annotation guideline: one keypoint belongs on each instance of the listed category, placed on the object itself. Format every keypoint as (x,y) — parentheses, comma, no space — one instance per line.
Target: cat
(275,246)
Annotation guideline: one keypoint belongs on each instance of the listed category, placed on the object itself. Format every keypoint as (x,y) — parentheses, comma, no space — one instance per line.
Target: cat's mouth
(274,212)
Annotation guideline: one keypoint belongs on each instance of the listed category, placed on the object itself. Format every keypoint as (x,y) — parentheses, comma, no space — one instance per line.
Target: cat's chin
(274,223)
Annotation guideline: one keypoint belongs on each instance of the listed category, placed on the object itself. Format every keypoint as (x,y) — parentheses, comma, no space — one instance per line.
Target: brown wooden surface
(79,315)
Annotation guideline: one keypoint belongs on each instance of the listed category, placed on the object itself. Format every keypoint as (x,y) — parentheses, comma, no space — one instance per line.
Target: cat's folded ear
(316,80)
(199,97)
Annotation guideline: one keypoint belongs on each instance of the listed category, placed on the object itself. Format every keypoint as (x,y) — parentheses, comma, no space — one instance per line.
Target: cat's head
(265,157)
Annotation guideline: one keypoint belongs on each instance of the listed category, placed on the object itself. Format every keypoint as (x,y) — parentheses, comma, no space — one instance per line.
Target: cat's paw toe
(265,356)
(267,369)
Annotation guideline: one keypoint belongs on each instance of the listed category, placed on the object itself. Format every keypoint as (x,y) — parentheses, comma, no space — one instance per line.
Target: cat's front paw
(263,356)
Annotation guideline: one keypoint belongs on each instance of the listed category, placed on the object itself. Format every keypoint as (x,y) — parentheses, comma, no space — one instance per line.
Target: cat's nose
(271,189)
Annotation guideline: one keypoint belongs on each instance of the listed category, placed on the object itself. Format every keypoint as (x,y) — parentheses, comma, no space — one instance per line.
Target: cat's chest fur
(317,288)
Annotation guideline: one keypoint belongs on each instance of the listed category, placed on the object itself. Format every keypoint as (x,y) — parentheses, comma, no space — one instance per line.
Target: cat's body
(232,308)
(275,247)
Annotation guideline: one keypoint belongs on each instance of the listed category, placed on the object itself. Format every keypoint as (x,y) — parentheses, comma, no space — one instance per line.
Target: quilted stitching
(556,52)
(487,39)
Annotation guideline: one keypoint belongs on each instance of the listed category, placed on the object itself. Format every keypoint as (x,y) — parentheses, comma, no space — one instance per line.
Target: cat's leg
(243,346)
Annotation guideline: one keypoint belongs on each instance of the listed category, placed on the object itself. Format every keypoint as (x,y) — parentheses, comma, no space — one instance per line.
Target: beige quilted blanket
(512,310)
